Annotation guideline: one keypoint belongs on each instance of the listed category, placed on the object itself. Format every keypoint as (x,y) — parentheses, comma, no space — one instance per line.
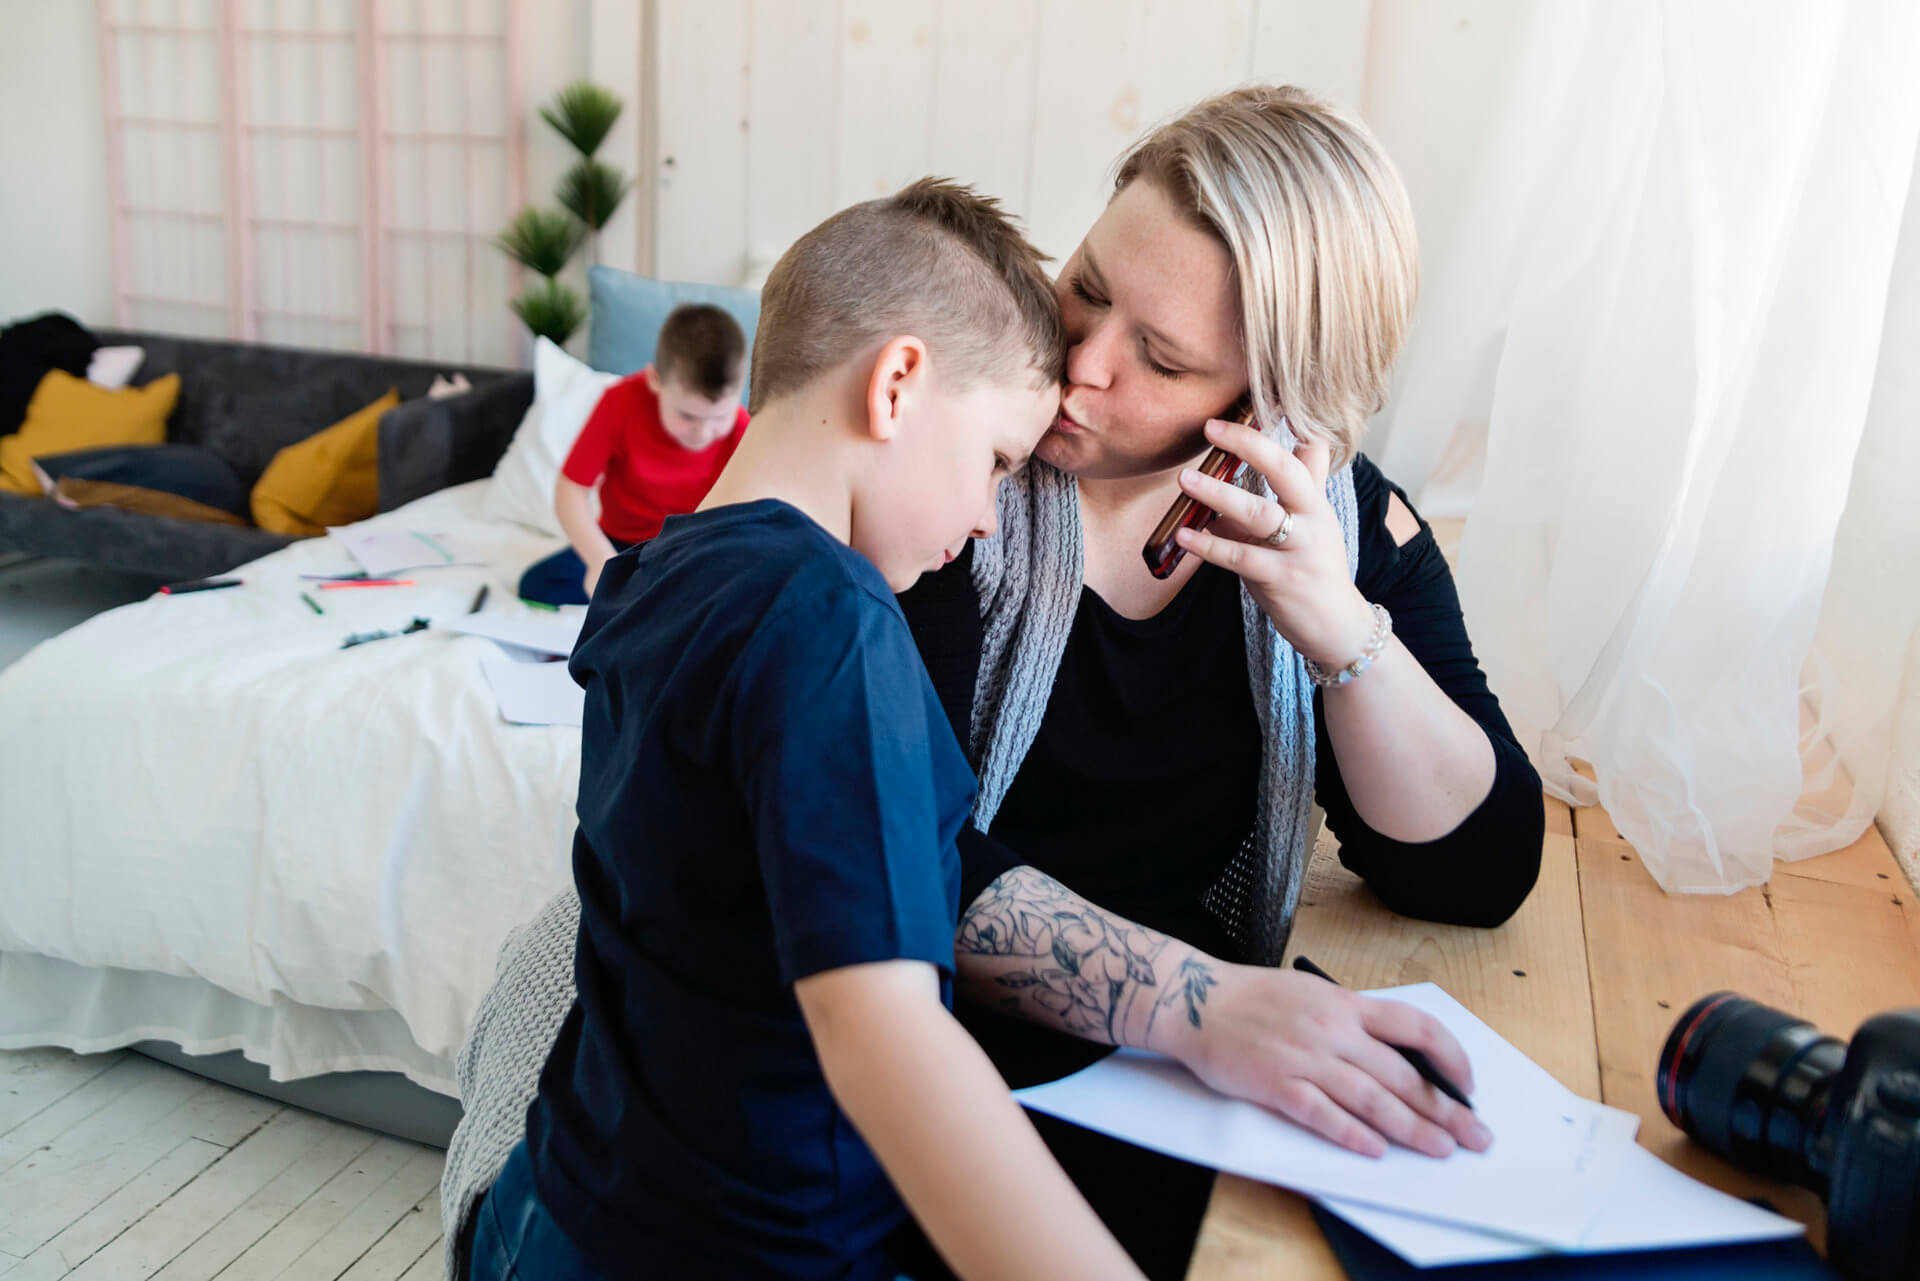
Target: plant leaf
(583,113)
(541,239)
(550,310)
(591,190)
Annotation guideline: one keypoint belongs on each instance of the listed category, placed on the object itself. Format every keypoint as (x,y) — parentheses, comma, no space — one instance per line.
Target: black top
(1142,779)
(1145,773)
(768,790)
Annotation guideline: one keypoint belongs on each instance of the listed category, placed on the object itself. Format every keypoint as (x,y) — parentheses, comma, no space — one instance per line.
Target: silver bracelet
(1376,643)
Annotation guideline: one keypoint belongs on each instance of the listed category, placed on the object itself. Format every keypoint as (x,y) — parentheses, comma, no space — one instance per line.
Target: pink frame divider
(373,138)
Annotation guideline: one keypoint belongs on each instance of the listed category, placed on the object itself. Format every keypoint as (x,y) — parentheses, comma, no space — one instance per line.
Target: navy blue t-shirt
(768,789)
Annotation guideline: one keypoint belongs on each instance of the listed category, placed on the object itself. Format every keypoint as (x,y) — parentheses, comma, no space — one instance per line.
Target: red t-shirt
(649,475)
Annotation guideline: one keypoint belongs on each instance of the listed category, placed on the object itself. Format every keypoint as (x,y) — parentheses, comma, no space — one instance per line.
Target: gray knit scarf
(1029,578)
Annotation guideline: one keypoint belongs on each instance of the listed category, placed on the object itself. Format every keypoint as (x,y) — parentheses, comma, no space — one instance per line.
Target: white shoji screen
(324,173)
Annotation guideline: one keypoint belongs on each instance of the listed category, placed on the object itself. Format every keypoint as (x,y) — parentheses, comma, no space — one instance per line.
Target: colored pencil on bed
(312,604)
(367,582)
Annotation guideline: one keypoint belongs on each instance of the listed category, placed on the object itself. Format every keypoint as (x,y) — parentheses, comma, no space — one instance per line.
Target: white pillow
(565,392)
(114,367)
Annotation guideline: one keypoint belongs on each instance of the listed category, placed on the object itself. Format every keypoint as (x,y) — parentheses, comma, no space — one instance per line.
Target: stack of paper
(530,687)
(384,551)
(1564,1174)
(535,693)
(538,638)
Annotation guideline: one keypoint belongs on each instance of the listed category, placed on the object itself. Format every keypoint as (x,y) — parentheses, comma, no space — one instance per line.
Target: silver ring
(1283,533)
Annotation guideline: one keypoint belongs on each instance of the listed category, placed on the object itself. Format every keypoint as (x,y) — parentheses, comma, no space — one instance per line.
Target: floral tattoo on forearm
(1041,952)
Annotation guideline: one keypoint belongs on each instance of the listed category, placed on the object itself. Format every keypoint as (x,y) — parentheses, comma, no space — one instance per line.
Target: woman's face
(1153,348)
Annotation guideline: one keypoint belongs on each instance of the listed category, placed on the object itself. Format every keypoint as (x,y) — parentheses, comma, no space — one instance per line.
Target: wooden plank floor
(116,1168)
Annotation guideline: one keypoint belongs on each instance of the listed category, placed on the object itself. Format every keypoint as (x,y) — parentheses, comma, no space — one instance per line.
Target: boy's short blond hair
(936,260)
(1325,261)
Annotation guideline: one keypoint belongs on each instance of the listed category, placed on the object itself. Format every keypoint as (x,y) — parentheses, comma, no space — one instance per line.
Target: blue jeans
(515,1239)
(560,579)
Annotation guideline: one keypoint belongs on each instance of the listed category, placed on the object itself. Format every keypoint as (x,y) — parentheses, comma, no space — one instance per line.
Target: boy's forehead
(671,385)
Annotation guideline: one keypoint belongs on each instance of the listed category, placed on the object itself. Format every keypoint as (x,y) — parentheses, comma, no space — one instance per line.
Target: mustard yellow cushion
(330,478)
(68,414)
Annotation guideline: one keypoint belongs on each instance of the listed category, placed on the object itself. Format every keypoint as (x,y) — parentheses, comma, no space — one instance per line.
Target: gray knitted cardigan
(1029,580)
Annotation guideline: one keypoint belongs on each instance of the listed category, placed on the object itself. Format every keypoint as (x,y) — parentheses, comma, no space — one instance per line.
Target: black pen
(200,585)
(1421,1063)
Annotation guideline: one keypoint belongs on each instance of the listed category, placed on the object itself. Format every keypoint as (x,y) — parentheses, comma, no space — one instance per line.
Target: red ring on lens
(1670,1068)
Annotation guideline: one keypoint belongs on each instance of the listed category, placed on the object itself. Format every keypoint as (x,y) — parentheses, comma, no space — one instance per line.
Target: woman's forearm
(1288,1041)
(1415,765)
(1030,947)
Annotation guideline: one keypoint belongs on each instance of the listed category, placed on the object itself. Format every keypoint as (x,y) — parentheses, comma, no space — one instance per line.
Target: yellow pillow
(68,413)
(330,478)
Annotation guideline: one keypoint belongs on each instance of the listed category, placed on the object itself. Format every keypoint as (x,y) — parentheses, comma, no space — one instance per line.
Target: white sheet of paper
(385,552)
(556,635)
(535,693)
(1551,1171)
(1654,1207)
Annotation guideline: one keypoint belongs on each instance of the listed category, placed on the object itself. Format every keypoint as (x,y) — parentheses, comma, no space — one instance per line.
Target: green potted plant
(545,240)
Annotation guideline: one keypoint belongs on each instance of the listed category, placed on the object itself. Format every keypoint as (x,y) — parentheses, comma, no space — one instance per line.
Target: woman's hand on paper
(1324,1058)
(1301,582)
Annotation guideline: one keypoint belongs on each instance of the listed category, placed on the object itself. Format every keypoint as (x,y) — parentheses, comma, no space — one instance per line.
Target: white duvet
(209,786)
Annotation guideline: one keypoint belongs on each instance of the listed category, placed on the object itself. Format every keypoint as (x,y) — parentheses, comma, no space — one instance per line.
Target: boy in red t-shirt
(654,445)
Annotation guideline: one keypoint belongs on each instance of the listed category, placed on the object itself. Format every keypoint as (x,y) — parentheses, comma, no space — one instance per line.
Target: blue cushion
(628,311)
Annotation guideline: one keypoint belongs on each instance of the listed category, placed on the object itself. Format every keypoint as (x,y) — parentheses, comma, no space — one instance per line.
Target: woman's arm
(1479,870)
(962,1153)
(1033,949)
(1420,778)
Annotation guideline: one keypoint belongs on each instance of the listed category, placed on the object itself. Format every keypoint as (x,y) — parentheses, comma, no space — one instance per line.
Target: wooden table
(1587,979)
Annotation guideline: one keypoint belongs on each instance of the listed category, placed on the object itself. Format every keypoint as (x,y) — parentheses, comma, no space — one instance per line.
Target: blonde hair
(934,259)
(1322,240)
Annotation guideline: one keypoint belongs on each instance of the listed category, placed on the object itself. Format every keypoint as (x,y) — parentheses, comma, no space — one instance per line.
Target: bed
(221,831)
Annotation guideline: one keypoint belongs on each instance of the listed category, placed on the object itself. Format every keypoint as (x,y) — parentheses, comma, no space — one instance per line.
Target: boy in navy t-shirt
(762,1048)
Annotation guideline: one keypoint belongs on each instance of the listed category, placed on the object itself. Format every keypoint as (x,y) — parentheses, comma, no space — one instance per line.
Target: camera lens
(1752,1084)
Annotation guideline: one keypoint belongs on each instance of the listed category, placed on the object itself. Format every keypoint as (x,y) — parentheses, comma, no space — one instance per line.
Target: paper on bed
(384,551)
(555,636)
(1551,1171)
(1654,1207)
(535,693)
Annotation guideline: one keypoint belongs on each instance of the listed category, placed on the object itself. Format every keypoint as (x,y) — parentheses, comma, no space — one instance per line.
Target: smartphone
(1162,553)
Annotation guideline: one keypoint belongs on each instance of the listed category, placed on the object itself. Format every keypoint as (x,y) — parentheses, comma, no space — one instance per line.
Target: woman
(1149,749)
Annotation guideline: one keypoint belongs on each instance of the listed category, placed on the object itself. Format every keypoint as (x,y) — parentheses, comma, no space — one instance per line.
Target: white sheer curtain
(1662,322)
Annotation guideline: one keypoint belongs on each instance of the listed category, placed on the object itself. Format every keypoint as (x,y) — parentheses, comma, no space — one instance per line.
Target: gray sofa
(246,402)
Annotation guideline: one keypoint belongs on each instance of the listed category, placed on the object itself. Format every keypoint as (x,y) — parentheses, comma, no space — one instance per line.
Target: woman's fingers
(1363,1096)
(1250,514)
(1286,473)
(1306,1104)
(1227,553)
(1316,456)
(1398,1023)
(1383,1064)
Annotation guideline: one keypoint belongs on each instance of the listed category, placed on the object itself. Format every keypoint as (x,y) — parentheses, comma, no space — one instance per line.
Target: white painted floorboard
(117,1168)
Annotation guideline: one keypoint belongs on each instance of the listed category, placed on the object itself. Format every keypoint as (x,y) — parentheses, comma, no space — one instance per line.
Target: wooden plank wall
(773,113)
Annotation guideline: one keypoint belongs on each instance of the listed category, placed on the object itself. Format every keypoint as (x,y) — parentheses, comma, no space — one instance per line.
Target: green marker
(539,604)
(312,604)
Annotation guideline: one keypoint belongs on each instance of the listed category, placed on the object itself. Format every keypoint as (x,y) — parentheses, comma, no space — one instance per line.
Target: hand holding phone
(1163,553)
